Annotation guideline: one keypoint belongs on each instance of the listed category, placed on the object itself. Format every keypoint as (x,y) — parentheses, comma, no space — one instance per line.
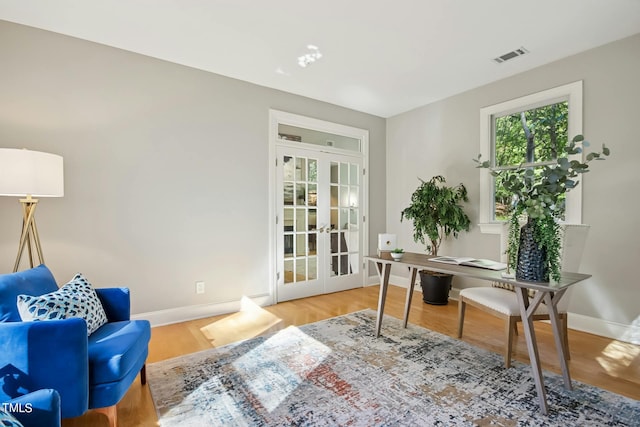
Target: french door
(319,222)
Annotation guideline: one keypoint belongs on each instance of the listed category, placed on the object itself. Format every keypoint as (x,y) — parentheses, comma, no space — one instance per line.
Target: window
(319,138)
(530,130)
(534,137)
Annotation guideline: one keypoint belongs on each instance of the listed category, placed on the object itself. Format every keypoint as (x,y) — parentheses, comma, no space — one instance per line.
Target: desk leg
(558,334)
(532,346)
(407,302)
(383,273)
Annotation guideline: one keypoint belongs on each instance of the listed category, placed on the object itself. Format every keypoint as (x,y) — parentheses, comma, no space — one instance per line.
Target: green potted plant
(539,198)
(437,214)
(397,254)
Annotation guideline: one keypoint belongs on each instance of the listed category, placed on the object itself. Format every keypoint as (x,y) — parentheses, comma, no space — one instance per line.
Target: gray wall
(166,168)
(443,137)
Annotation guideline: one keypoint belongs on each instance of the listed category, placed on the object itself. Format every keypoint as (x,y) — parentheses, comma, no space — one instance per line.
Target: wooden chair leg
(565,335)
(112,414)
(143,374)
(461,308)
(510,326)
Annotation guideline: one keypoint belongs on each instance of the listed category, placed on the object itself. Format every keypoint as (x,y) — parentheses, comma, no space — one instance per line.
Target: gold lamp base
(29,236)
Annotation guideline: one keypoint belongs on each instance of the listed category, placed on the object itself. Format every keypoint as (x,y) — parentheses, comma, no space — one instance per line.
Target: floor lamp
(29,174)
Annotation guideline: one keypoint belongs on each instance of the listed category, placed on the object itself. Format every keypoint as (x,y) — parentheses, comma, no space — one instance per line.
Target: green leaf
(564,163)
(573,150)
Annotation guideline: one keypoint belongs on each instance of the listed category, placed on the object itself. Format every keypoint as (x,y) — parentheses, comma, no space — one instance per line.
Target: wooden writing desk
(550,293)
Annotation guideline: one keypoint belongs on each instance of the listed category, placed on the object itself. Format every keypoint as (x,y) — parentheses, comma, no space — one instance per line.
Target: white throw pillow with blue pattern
(8,420)
(75,299)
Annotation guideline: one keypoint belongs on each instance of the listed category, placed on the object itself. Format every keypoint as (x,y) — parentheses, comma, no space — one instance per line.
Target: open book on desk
(471,262)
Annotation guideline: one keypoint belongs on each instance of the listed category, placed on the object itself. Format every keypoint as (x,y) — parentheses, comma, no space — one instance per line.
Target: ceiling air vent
(510,55)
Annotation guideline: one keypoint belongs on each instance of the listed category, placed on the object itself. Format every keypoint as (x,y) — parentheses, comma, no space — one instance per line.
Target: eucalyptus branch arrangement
(539,194)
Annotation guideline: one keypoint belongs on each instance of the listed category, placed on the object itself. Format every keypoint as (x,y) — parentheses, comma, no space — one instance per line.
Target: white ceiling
(379,56)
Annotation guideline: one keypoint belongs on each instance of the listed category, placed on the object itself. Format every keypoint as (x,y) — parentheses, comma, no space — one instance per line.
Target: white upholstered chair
(501,301)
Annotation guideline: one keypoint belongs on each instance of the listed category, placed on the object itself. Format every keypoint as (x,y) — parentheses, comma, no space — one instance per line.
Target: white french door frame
(276,118)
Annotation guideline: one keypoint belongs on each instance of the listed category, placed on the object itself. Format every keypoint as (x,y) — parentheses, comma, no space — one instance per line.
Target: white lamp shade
(30,173)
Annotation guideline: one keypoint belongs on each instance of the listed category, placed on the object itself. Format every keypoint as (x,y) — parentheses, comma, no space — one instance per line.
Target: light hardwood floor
(606,363)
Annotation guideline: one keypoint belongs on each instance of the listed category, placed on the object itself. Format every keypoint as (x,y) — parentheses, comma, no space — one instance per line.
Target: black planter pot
(532,259)
(435,287)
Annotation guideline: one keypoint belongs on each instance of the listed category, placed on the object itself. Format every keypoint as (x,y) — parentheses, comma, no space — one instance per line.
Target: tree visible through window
(533,138)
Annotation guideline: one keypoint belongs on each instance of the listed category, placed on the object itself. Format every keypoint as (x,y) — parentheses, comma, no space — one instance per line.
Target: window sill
(493,227)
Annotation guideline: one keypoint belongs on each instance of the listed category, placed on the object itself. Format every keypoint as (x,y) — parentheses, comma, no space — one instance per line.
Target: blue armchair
(38,409)
(91,372)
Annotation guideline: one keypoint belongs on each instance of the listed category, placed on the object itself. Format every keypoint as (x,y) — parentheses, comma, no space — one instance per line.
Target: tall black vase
(532,264)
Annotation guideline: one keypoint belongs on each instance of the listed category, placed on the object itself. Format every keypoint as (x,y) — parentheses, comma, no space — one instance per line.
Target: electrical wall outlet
(199,287)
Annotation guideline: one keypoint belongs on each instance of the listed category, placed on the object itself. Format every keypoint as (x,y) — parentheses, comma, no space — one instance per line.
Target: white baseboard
(579,322)
(592,325)
(605,328)
(192,312)
(403,282)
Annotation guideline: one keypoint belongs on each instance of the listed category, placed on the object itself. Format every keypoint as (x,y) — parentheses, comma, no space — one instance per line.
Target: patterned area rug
(335,373)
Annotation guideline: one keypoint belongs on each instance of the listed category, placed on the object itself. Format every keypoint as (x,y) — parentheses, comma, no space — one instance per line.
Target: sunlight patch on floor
(272,378)
(617,357)
(251,321)
(219,397)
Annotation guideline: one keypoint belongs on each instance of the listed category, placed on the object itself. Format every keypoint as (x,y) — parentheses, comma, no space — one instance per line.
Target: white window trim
(572,93)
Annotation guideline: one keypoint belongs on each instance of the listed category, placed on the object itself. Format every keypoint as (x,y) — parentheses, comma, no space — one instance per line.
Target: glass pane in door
(300,187)
(320,234)
(344,214)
